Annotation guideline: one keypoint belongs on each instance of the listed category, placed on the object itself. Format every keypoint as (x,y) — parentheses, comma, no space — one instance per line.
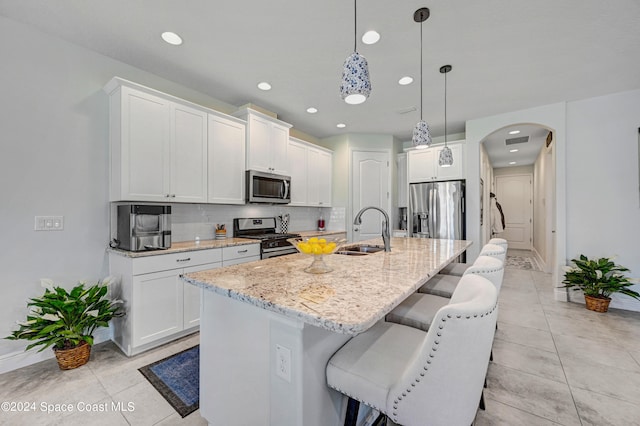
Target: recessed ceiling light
(513,150)
(405,80)
(341,125)
(312,110)
(514,132)
(370,37)
(512,162)
(263,85)
(172,38)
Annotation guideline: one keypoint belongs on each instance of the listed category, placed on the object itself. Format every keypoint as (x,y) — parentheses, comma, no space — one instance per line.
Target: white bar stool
(489,249)
(416,377)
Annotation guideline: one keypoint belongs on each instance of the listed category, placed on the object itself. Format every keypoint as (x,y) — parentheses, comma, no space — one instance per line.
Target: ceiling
(506,55)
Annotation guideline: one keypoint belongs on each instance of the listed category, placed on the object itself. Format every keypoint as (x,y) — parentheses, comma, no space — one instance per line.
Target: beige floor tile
(531,393)
(524,315)
(603,379)
(588,351)
(599,410)
(499,414)
(193,419)
(149,407)
(527,336)
(528,360)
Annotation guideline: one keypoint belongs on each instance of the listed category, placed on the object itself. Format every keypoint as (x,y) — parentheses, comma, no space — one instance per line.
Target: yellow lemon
(329,248)
(312,240)
(305,247)
(322,241)
(317,249)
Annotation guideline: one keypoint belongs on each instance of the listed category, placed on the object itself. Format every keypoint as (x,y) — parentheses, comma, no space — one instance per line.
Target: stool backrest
(495,251)
(500,242)
(443,384)
(489,267)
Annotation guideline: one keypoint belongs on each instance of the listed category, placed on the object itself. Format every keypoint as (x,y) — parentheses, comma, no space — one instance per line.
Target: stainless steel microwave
(268,188)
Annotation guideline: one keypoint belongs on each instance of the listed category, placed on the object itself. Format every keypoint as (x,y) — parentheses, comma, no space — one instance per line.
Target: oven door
(278,251)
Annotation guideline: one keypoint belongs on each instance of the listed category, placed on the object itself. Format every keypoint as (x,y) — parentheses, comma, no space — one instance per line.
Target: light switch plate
(49,223)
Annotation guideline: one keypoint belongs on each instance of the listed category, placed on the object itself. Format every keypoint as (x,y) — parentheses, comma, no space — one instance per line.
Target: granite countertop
(183,246)
(308,234)
(359,291)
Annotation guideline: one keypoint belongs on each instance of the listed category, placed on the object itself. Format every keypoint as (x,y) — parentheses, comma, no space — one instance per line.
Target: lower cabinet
(159,305)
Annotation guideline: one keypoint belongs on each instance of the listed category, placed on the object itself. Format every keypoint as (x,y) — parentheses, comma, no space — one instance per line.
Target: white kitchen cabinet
(298,170)
(235,255)
(158,146)
(160,307)
(422,164)
(267,141)
(401,164)
(226,160)
(310,168)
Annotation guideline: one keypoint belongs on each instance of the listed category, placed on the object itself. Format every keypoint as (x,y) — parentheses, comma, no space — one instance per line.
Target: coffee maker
(143,227)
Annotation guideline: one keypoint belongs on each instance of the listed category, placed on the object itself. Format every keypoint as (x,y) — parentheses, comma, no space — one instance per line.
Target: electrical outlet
(283,363)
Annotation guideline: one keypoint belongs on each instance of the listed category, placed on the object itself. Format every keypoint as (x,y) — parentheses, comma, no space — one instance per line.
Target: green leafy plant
(598,278)
(64,319)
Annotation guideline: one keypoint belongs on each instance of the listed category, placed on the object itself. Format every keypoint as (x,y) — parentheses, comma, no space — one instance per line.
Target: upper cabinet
(310,168)
(226,160)
(422,164)
(267,141)
(158,146)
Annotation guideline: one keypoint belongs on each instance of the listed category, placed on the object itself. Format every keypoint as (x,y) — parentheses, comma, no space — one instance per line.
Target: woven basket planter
(69,359)
(597,304)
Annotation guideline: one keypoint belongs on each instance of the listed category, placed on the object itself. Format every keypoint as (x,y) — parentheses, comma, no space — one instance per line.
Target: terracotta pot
(598,304)
(73,358)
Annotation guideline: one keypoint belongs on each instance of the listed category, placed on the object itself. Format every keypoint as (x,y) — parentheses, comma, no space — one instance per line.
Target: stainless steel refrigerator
(437,210)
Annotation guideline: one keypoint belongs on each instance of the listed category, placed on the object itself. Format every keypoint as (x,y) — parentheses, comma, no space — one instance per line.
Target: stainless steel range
(264,229)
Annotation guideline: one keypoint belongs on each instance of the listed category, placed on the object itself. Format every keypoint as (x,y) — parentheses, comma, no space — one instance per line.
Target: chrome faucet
(386,237)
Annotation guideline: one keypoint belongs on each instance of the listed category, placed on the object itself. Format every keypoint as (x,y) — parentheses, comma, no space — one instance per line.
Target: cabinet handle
(183,260)
(243,251)
(173,195)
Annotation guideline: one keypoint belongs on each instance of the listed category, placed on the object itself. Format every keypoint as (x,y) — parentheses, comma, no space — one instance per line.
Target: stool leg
(481,405)
(352,412)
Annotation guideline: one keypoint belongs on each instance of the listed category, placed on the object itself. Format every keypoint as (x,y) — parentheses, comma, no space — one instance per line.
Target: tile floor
(554,364)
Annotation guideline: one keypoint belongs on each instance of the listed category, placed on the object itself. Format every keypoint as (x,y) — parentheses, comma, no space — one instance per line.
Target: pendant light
(356,86)
(446,156)
(421,135)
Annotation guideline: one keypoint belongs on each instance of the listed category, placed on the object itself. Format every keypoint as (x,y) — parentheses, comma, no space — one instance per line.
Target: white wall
(603,204)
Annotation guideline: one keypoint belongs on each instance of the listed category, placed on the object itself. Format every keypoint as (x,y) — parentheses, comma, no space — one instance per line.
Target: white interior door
(514,193)
(370,184)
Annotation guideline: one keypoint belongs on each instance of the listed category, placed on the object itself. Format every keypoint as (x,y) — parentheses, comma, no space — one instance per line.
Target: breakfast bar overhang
(268,328)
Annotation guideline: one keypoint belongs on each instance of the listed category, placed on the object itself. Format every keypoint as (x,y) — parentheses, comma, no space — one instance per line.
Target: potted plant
(598,279)
(67,320)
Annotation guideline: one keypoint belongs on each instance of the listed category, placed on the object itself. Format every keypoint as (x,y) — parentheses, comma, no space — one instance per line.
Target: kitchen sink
(359,250)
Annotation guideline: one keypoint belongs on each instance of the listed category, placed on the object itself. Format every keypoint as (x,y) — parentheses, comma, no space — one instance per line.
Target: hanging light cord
(355,24)
(445,109)
(421,71)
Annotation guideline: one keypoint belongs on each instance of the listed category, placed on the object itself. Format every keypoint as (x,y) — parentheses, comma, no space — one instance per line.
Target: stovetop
(260,228)
(269,236)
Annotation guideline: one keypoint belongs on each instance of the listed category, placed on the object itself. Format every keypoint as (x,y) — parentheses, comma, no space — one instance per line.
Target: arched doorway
(550,117)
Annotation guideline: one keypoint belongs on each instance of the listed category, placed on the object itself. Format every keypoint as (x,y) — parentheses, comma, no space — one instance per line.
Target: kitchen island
(268,328)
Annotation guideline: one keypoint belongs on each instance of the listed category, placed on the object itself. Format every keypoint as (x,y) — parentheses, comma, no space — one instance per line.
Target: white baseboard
(538,259)
(13,361)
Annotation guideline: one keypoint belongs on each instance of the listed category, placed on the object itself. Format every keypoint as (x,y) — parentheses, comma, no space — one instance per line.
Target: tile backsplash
(189,221)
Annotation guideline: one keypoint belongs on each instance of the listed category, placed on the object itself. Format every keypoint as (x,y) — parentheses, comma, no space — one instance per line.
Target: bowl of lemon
(318,248)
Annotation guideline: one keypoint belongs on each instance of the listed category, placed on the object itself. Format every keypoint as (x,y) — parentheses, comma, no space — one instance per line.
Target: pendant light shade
(421,134)
(356,85)
(446,156)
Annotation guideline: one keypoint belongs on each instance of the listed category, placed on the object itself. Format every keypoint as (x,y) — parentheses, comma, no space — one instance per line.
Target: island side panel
(239,367)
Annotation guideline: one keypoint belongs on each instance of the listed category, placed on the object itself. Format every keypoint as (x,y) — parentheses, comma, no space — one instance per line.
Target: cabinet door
(157,306)
(279,143)
(259,152)
(142,147)
(455,171)
(401,162)
(192,296)
(326,178)
(226,154)
(297,155)
(188,155)
(320,177)
(421,165)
